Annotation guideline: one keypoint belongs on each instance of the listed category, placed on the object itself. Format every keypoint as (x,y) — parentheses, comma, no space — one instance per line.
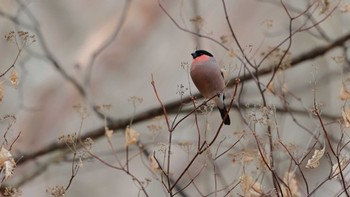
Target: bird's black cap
(200,52)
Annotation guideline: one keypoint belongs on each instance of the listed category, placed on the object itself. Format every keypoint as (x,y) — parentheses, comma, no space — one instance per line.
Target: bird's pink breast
(206,75)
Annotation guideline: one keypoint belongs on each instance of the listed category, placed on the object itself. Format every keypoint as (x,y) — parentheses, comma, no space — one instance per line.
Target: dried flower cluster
(346,116)
(232,53)
(325,6)
(104,108)
(292,190)
(14,79)
(12,192)
(154,164)
(276,56)
(73,142)
(345,96)
(82,110)
(7,163)
(262,115)
(198,21)
(25,37)
(226,39)
(268,23)
(206,109)
(88,142)
(135,101)
(131,136)
(345,8)
(181,89)
(244,156)
(57,191)
(69,139)
(154,128)
(278,86)
(249,186)
(108,133)
(339,59)
(344,92)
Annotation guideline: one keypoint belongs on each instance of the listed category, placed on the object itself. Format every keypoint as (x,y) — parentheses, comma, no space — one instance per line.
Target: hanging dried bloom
(344,93)
(245,183)
(325,5)
(314,162)
(292,190)
(346,117)
(345,8)
(336,169)
(249,186)
(108,133)
(7,163)
(231,53)
(271,87)
(14,79)
(285,88)
(131,136)
(154,164)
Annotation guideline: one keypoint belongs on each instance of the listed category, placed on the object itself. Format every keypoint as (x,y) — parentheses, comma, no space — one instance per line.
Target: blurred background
(141,41)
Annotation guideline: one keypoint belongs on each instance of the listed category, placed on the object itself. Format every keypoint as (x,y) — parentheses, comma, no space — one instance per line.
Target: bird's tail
(223,113)
(222,108)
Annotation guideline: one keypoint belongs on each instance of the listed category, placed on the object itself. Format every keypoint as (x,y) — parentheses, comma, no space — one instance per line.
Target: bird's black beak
(194,55)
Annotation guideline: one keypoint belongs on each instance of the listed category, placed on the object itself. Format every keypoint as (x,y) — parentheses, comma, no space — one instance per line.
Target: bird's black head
(200,52)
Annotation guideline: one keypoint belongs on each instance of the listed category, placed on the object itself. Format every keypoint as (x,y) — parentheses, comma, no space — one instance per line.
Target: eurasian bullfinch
(209,80)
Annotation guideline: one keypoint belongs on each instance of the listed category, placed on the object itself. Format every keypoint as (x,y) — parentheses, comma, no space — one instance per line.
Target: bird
(209,80)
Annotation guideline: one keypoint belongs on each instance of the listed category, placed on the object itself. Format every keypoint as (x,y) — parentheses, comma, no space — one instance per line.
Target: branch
(107,42)
(307,56)
(172,106)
